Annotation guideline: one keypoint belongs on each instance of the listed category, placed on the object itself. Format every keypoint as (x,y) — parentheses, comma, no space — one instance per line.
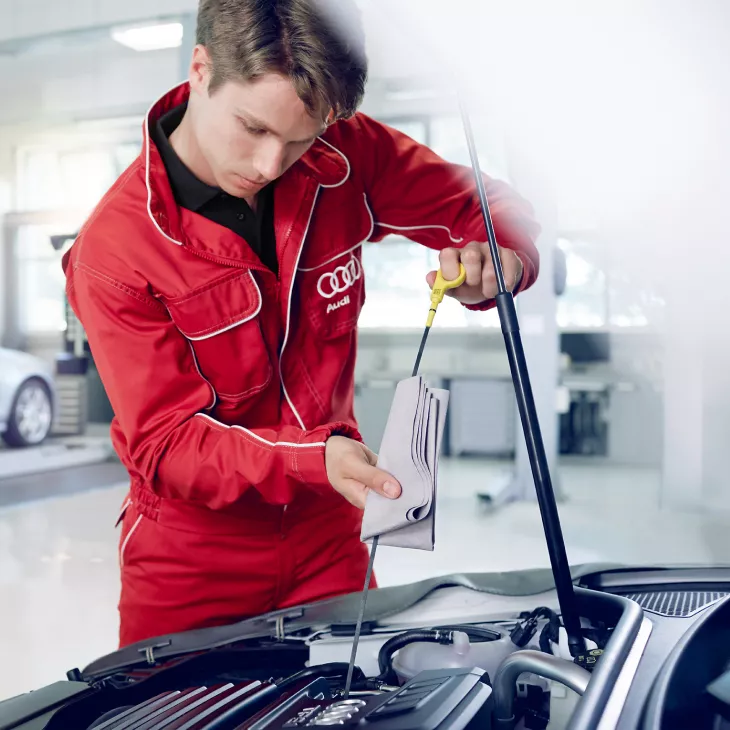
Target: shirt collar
(189,190)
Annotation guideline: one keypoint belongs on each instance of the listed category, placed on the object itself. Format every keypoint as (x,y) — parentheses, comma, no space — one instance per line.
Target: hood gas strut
(528,416)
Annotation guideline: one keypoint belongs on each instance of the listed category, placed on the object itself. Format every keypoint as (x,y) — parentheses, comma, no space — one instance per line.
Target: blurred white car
(27,398)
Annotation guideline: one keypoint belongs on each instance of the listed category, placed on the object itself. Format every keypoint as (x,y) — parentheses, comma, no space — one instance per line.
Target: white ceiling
(615,100)
(58,62)
(26,18)
(391,52)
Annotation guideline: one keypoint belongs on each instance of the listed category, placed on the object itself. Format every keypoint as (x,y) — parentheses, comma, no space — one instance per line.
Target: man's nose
(270,160)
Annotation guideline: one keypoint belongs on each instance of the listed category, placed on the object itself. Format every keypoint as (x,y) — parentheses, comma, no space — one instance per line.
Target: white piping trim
(420,228)
(235,324)
(288,310)
(339,255)
(347,162)
(273,444)
(147,172)
(356,246)
(126,540)
(197,367)
(126,504)
(147,166)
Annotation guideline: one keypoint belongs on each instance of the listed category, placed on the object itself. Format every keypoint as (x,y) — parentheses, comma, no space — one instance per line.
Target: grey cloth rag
(409,451)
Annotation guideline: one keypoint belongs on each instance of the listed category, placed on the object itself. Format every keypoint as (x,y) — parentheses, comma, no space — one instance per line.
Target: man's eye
(255,131)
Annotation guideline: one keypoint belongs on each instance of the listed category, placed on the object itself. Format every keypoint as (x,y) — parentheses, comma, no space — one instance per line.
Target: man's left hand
(481,281)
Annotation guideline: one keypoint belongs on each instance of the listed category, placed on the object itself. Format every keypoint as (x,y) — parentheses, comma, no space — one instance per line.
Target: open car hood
(383,603)
(651,627)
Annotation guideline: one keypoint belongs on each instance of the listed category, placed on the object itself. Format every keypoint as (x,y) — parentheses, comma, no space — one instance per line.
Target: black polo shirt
(256,227)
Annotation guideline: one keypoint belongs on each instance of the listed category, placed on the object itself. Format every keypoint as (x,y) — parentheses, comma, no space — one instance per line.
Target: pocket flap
(216,307)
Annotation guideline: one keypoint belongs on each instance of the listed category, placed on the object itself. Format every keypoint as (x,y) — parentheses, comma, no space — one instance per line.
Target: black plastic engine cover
(448,699)
(220,707)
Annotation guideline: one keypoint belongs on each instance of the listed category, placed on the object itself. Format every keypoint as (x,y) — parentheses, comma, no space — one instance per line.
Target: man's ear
(201,70)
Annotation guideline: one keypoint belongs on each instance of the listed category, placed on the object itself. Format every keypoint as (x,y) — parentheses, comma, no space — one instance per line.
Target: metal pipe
(544,665)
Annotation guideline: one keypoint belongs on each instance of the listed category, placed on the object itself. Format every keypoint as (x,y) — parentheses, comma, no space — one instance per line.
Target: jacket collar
(323,162)
(189,190)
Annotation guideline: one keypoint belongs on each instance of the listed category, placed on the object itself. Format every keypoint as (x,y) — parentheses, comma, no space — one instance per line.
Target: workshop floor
(58,556)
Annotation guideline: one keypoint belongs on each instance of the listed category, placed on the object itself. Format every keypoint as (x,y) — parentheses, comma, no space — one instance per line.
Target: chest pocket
(334,293)
(220,320)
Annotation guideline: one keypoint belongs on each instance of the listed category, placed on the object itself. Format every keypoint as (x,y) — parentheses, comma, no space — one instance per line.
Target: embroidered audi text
(340,280)
(337,305)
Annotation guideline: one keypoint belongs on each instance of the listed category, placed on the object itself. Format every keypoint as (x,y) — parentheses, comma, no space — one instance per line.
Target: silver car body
(15,369)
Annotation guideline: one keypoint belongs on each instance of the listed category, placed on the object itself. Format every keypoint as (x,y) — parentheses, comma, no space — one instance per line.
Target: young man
(220,282)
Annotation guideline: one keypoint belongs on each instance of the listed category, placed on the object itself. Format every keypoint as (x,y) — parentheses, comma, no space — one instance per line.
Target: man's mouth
(251,183)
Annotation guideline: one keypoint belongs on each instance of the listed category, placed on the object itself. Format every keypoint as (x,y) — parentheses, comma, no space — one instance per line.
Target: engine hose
(544,612)
(397,642)
(545,640)
(550,633)
(596,636)
(475,633)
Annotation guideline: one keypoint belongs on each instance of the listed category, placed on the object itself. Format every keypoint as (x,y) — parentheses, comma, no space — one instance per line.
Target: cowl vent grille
(676,603)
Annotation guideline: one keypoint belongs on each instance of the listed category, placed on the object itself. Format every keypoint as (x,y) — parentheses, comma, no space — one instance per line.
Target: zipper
(288,309)
(282,525)
(288,323)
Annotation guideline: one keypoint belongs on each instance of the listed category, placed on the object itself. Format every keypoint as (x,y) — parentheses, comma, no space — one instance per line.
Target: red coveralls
(226,381)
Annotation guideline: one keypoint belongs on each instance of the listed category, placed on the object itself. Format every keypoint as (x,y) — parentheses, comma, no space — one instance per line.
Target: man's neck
(187,149)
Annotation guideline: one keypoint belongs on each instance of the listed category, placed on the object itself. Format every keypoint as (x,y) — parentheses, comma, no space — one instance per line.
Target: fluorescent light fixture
(412,95)
(150,37)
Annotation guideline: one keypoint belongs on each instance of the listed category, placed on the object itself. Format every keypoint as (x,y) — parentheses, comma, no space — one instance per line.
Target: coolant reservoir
(422,655)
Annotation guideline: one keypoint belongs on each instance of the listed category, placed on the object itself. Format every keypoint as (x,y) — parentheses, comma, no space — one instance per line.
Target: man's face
(250,133)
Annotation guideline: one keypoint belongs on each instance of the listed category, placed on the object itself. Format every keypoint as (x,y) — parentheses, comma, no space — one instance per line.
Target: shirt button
(241,216)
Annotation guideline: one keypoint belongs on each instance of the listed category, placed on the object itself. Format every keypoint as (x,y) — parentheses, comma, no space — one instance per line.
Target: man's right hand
(352,472)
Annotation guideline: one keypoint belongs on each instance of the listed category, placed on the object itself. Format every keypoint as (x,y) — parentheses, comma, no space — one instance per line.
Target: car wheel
(31,416)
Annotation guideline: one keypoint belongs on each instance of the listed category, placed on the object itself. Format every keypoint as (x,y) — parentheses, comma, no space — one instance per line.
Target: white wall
(28,18)
(60,70)
(99,79)
(6,167)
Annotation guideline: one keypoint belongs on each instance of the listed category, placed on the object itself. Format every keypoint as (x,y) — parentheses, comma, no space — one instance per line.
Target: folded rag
(409,451)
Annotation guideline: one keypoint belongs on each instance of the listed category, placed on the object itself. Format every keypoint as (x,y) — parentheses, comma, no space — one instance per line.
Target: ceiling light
(412,95)
(150,37)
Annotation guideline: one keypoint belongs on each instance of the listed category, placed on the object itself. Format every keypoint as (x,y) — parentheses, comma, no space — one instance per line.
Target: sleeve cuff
(307,458)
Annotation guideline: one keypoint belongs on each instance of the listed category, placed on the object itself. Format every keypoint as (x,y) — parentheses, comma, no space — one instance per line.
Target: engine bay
(658,654)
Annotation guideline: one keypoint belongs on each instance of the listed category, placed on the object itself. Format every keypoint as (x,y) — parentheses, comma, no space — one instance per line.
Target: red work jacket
(226,380)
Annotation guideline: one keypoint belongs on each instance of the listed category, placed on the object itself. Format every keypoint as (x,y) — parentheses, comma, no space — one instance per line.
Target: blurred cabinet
(372,405)
(72,405)
(482,417)
(72,395)
(99,408)
(584,427)
(635,417)
(618,420)
(373,399)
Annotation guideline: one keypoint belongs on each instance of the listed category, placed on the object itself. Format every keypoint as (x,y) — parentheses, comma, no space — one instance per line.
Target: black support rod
(530,422)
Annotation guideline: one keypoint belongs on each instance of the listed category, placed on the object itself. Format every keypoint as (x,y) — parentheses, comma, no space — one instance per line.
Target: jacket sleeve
(161,411)
(414,192)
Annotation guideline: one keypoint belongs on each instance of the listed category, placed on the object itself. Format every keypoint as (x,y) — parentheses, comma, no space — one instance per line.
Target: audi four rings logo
(340,280)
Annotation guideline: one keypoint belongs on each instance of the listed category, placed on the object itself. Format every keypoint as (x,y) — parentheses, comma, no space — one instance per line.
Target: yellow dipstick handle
(440,287)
